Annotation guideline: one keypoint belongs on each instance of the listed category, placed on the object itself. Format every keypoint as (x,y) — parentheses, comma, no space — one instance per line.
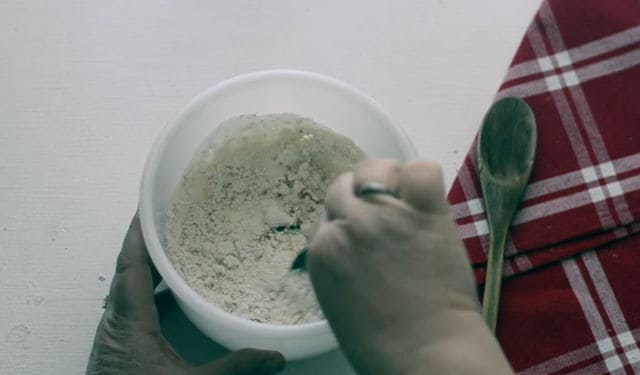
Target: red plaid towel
(578,67)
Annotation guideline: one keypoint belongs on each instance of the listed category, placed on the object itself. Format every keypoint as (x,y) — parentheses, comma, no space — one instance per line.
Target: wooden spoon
(506,151)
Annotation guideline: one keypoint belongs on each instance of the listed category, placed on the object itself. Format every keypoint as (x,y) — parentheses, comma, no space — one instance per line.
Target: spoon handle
(491,299)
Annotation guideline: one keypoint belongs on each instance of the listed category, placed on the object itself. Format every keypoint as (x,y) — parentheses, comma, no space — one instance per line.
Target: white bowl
(325,100)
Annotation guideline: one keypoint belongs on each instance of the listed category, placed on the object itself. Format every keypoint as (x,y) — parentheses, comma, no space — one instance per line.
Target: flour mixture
(246,206)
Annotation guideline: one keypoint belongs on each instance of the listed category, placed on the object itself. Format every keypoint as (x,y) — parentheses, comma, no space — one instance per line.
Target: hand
(129,341)
(393,279)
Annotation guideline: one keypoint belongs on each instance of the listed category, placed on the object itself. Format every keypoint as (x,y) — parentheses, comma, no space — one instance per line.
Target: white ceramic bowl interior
(325,100)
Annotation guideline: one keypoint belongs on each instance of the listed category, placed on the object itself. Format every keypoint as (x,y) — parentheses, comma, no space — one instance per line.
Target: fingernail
(272,366)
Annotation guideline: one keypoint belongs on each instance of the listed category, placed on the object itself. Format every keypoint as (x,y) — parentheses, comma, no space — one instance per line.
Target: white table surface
(85,87)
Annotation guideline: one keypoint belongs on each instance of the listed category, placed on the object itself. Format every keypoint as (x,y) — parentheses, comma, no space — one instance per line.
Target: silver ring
(375,188)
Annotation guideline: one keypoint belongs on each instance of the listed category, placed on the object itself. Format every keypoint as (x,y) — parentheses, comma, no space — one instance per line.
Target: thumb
(244,362)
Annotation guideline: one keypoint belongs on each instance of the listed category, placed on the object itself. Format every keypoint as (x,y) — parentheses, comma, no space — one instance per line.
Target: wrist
(462,344)
(455,341)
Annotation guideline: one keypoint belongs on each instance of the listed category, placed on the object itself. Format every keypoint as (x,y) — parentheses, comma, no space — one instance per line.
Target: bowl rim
(156,251)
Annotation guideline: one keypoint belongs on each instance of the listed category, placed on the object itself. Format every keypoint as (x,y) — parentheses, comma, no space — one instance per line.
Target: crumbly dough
(244,208)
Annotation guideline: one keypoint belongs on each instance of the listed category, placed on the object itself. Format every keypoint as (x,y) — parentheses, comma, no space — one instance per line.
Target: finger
(244,362)
(131,292)
(422,186)
(382,172)
(327,249)
(340,198)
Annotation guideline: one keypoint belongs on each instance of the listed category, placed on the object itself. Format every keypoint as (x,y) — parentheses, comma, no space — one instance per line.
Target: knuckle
(123,262)
(426,166)
(422,177)
(114,325)
(129,259)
